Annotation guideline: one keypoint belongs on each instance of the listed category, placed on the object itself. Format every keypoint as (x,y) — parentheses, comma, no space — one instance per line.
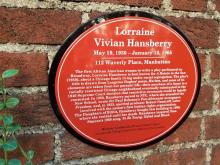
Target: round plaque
(124,80)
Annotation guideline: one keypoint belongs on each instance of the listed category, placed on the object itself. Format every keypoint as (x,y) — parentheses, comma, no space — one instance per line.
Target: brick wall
(31,32)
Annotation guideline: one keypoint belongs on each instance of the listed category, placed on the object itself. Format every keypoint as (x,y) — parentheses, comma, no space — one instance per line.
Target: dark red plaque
(124,80)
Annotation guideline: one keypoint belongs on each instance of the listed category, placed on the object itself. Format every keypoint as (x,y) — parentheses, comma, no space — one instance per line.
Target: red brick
(190,5)
(32,67)
(39,26)
(72,148)
(188,132)
(119,162)
(219,99)
(146,3)
(96,14)
(178,157)
(75,0)
(212,127)
(42,144)
(204,101)
(217,4)
(215,155)
(201,32)
(202,60)
(34,110)
(215,66)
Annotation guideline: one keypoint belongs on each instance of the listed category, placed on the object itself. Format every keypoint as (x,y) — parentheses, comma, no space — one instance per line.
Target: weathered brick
(72,148)
(188,132)
(219,99)
(202,32)
(34,110)
(190,5)
(204,101)
(42,144)
(32,68)
(212,127)
(76,0)
(95,14)
(119,162)
(178,157)
(39,26)
(215,155)
(215,66)
(202,60)
(217,4)
(148,3)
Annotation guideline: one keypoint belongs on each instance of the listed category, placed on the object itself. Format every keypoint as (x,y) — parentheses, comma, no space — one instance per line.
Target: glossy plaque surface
(124,81)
